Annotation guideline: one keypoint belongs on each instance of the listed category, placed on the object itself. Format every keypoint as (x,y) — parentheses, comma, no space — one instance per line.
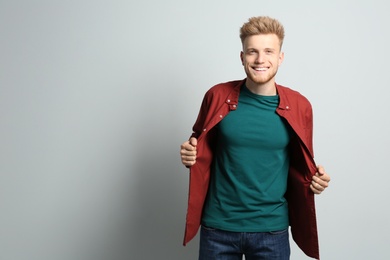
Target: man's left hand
(320,180)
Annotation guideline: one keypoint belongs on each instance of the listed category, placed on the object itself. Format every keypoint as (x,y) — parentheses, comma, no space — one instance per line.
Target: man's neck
(265,89)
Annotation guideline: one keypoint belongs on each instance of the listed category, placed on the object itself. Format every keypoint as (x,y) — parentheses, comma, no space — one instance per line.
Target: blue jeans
(217,244)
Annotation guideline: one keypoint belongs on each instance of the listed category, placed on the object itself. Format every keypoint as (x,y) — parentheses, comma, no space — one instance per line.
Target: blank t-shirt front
(250,167)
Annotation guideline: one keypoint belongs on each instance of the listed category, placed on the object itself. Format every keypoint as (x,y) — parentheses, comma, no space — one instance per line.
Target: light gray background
(97,96)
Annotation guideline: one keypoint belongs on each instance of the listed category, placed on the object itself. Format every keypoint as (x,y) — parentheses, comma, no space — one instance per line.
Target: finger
(320,185)
(193,141)
(314,190)
(187,146)
(185,152)
(320,181)
(324,177)
(320,170)
(189,157)
(188,161)
(317,188)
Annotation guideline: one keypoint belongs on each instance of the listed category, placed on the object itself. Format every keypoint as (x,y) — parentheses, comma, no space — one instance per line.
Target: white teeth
(261,69)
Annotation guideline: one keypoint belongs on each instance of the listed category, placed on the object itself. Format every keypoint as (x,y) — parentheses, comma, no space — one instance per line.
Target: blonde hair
(262,25)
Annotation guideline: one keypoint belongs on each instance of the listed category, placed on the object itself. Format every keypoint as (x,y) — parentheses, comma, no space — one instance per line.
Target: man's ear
(281,58)
(242,57)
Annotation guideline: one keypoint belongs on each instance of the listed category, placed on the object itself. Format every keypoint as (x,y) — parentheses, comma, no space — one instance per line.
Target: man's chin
(260,80)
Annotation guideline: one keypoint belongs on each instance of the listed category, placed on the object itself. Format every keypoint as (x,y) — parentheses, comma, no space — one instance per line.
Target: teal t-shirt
(249,174)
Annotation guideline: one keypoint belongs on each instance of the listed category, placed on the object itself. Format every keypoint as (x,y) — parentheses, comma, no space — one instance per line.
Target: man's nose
(259,58)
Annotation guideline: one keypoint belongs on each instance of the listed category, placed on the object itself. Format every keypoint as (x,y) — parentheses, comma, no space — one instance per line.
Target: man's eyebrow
(255,49)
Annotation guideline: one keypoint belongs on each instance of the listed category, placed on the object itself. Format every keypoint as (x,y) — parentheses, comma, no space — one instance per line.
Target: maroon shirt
(297,111)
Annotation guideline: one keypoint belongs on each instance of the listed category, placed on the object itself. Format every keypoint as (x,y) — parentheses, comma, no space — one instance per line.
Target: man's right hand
(188,152)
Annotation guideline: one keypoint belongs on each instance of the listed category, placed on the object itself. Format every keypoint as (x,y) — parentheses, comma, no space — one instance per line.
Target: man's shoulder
(291,93)
(225,87)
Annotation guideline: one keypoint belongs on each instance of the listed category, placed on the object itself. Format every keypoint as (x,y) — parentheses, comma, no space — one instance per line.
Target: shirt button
(234,106)
(204,130)
(220,116)
(287,107)
(228,100)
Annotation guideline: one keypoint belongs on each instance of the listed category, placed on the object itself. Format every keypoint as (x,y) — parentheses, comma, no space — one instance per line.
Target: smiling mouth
(260,69)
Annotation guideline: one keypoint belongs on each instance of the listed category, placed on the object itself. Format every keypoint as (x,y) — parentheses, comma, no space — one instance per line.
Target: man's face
(261,57)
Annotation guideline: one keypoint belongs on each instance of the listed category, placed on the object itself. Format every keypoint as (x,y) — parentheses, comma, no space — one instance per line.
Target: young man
(252,172)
